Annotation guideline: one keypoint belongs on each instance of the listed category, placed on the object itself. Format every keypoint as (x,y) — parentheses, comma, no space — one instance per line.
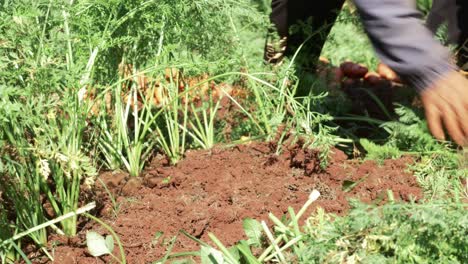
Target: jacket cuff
(425,77)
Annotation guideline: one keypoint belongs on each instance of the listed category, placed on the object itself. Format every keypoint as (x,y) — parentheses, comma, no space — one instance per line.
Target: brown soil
(213,191)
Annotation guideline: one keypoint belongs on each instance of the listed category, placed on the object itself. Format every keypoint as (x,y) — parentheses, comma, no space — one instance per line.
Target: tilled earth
(213,191)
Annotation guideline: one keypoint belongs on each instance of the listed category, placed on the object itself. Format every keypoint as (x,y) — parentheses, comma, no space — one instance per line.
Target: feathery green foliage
(393,233)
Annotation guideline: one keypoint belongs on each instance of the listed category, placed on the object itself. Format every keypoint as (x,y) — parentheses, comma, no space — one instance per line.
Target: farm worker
(402,42)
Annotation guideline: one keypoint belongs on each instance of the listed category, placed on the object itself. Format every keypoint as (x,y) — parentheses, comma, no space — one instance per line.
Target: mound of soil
(213,191)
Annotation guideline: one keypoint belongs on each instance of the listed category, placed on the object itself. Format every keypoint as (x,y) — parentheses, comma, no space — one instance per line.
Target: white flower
(67,174)
(74,165)
(60,157)
(44,168)
(89,182)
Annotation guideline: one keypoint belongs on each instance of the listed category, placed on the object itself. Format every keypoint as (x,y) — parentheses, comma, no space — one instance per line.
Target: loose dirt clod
(213,191)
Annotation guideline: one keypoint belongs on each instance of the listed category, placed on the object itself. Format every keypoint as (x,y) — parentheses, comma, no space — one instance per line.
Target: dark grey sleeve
(403,42)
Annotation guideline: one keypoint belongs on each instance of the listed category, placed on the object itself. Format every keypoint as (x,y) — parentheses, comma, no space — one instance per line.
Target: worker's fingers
(461,109)
(457,103)
(387,73)
(434,121)
(447,99)
(457,100)
(452,124)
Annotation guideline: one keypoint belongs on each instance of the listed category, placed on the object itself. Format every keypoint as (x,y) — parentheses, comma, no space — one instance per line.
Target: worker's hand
(387,73)
(447,101)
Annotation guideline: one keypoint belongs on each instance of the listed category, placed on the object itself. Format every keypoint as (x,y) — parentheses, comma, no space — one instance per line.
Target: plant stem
(81,210)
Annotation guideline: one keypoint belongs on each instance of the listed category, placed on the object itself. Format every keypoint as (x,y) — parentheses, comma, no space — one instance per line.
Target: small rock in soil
(152,181)
(132,186)
(113,180)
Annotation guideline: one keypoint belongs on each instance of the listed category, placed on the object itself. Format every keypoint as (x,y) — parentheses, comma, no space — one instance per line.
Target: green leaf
(244,249)
(183,261)
(234,253)
(110,243)
(194,238)
(210,255)
(378,152)
(348,185)
(253,230)
(96,244)
(156,237)
(226,253)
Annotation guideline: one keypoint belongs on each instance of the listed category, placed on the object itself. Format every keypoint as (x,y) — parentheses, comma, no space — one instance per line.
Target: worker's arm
(403,42)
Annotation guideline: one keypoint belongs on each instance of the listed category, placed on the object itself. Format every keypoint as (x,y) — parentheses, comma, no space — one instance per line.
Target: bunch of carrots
(348,72)
(155,91)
